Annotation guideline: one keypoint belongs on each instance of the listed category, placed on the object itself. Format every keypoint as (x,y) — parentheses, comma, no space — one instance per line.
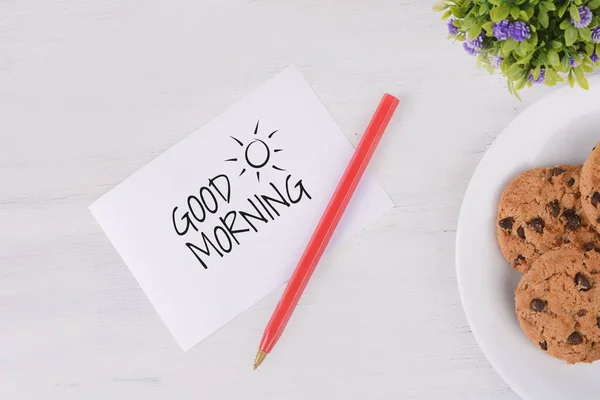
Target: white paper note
(220,220)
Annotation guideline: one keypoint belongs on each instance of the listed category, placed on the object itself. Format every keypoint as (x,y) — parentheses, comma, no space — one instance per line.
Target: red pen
(326,226)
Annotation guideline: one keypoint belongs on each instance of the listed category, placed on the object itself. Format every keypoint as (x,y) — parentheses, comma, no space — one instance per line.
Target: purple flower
(541,79)
(501,30)
(471,51)
(595,57)
(573,62)
(475,44)
(496,60)
(596,34)
(585,18)
(519,31)
(452,29)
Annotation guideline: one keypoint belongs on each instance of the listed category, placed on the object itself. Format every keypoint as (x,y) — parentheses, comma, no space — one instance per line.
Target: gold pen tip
(260,357)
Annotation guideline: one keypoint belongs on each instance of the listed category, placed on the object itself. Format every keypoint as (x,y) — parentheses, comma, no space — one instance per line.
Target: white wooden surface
(92,90)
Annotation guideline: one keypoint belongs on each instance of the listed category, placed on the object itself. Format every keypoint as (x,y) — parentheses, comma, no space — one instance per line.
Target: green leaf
(517,95)
(527,47)
(553,58)
(550,80)
(495,2)
(550,6)
(543,19)
(533,39)
(457,11)
(504,66)
(583,82)
(571,79)
(523,16)
(574,11)
(521,84)
(509,45)
(566,63)
(578,2)
(563,9)
(514,72)
(530,11)
(447,14)
(474,31)
(571,35)
(585,34)
(552,73)
(536,72)
(520,50)
(440,6)
(499,13)
(514,12)
(589,49)
(588,69)
(565,24)
(594,4)
(484,8)
(488,27)
(555,44)
(478,61)
(525,60)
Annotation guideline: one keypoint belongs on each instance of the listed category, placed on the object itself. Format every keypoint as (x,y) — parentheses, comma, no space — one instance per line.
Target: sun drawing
(257,154)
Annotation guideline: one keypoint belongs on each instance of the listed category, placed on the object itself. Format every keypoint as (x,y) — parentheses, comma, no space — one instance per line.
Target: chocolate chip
(573,220)
(517,261)
(581,313)
(506,223)
(521,232)
(575,338)
(598,220)
(571,182)
(590,246)
(538,305)
(553,208)
(595,199)
(537,224)
(594,271)
(557,171)
(544,345)
(598,322)
(582,282)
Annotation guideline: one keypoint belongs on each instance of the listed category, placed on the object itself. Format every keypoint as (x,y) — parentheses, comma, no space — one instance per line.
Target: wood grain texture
(90,91)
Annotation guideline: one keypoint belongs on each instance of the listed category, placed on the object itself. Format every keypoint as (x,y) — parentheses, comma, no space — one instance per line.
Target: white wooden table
(90,91)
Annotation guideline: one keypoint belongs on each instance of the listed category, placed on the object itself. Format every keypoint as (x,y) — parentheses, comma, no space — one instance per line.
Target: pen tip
(260,356)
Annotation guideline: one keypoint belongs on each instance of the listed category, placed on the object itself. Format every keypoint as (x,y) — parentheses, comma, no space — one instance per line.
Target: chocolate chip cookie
(558,303)
(539,210)
(590,187)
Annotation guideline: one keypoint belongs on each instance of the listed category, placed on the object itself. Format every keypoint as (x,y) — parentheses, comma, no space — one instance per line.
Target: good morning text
(228,227)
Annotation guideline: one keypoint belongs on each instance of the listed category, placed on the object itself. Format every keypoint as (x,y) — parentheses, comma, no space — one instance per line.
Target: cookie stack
(548,224)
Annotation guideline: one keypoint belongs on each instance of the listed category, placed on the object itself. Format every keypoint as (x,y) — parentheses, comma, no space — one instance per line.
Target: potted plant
(530,41)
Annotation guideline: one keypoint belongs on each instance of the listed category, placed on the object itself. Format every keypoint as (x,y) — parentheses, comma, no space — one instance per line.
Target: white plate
(561,128)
